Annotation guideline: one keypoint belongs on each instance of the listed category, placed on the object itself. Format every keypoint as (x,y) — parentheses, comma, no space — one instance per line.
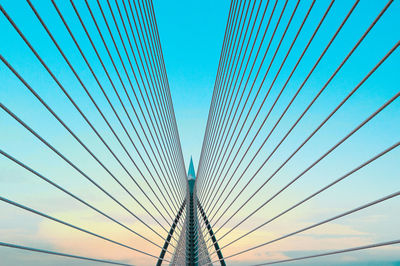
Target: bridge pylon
(191,249)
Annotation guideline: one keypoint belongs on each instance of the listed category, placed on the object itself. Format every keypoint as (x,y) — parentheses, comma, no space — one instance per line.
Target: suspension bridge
(304,120)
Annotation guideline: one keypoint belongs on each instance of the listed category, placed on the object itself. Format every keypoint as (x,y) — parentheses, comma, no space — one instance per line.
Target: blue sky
(191,34)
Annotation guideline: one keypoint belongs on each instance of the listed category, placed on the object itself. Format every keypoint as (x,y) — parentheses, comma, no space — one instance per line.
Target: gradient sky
(191,36)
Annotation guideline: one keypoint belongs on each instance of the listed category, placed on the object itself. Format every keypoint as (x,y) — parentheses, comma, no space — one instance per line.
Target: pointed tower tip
(191,173)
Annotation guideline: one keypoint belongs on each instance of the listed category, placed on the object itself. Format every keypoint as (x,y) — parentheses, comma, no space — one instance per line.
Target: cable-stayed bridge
(305,104)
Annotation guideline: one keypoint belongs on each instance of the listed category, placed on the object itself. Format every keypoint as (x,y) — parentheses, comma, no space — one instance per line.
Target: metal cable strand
(109,78)
(3,244)
(167,90)
(26,208)
(298,61)
(234,86)
(200,182)
(161,64)
(123,66)
(49,109)
(316,30)
(167,94)
(75,197)
(313,194)
(331,114)
(225,86)
(175,202)
(320,223)
(167,107)
(220,94)
(85,88)
(75,167)
(215,170)
(209,178)
(206,207)
(264,78)
(151,33)
(248,60)
(231,23)
(221,113)
(382,244)
(241,64)
(284,60)
(319,159)
(164,131)
(174,169)
(333,147)
(161,81)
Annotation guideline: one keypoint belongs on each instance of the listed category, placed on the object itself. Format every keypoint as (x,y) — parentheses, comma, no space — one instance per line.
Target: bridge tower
(191,248)
(192,235)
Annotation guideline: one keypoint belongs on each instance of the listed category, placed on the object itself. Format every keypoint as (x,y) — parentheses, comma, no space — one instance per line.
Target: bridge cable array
(289,79)
(140,101)
(263,37)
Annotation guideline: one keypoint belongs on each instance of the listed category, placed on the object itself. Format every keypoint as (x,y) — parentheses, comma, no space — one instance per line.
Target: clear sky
(191,35)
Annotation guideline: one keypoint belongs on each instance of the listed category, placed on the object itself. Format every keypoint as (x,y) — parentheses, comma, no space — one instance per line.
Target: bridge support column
(191,240)
(191,227)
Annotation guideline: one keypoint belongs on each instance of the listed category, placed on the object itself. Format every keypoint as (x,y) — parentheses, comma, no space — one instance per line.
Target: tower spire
(191,173)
